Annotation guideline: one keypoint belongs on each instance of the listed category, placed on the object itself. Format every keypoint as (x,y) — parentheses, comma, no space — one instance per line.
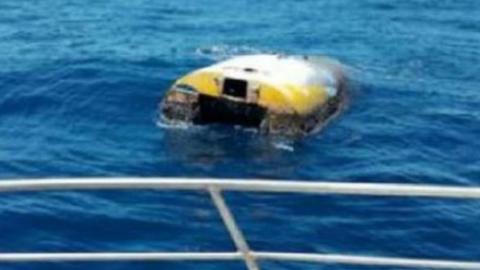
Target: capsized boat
(286,95)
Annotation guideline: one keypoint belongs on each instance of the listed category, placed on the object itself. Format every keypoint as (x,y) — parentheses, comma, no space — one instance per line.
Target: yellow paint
(203,82)
(309,98)
(284,98)
(292,98)
(272,98)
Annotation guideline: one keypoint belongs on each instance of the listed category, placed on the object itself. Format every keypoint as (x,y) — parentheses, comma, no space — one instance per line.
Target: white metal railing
(244,252)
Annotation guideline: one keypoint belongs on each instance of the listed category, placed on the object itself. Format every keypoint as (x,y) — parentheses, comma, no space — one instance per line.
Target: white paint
(279,71)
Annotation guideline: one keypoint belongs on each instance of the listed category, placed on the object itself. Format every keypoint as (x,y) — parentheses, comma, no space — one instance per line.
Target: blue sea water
(79,86)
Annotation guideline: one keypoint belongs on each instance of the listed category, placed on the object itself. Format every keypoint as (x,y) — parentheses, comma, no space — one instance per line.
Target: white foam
(285,146)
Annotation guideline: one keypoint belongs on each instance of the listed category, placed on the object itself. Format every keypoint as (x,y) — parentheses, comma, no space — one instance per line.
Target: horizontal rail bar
(119,256)
(231,256)
(374,189)
(408,190)
(367,260)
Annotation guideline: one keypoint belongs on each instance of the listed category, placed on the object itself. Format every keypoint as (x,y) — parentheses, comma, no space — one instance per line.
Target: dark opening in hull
(189,106)
(217,110)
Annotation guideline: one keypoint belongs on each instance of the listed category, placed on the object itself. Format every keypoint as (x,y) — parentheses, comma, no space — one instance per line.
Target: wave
(222,51)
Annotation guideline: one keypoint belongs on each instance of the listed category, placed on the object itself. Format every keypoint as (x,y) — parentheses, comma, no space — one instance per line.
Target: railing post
(237,236)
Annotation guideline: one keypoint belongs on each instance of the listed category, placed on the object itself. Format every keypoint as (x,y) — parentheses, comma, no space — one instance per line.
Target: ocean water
(79,86)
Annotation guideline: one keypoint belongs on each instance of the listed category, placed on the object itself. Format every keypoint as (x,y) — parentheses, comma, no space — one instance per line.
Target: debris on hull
(283,95)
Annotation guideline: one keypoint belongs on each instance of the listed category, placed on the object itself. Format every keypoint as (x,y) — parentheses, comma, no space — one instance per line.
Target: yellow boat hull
(288,95)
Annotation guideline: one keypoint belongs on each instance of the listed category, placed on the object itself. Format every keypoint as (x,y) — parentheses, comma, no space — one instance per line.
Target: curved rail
(215,187)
